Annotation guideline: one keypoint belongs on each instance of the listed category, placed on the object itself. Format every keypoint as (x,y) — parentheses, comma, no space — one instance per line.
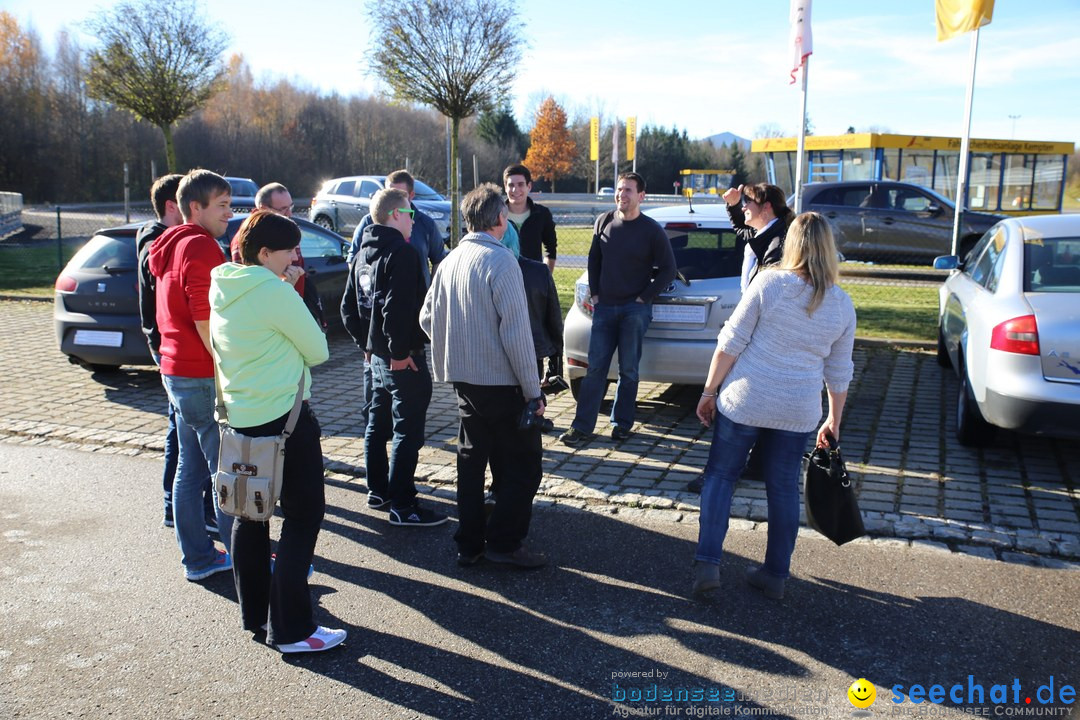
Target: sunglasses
(747,200)
(408,211)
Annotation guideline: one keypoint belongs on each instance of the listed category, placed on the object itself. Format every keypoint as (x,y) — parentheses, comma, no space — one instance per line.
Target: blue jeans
(614,327)
(199,438)
(781,454)
(366,391)
(172,457)
(399,403)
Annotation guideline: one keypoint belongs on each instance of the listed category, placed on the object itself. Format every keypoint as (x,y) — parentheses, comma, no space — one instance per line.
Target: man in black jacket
(163,198)
(389,318)
(535,225)
(545,318)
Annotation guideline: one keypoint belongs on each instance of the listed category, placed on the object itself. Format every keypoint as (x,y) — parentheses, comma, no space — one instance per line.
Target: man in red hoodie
(181,260)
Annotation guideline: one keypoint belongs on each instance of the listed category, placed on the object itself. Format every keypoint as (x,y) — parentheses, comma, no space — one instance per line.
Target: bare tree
(457,56)
(158,59)
(769,130)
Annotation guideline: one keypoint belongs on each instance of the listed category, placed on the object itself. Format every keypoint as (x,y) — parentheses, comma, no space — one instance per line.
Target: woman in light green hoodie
(263,339)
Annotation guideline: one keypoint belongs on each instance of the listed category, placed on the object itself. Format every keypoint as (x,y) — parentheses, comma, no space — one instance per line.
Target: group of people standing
(242,333)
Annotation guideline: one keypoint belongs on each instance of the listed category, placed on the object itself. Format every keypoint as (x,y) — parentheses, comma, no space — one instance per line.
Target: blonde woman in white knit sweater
(793,329)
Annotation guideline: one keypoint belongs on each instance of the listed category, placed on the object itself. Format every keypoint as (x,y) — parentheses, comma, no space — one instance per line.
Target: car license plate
(100,338)
(675,313)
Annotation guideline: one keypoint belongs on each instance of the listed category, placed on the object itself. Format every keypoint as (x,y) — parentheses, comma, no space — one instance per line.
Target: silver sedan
(1009,326)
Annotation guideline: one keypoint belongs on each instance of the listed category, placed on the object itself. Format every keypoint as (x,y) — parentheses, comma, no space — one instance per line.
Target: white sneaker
(321,639)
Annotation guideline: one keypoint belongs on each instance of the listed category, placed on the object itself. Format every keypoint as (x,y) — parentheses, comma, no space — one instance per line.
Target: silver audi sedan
(1009,325)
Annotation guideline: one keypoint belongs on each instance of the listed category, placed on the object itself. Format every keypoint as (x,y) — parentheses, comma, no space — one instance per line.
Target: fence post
(59,243)
(127,196)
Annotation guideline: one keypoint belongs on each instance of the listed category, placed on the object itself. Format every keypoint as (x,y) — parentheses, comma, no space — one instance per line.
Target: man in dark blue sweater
(630,263)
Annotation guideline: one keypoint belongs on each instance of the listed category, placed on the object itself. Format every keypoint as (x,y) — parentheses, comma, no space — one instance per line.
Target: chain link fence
(31,258)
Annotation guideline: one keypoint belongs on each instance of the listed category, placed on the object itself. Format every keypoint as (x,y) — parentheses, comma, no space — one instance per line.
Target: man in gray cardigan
(477,318)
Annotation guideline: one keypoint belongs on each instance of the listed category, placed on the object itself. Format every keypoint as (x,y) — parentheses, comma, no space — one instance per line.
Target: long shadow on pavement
(614,600)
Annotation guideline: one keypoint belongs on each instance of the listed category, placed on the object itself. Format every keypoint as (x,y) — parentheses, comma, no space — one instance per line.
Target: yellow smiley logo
(862,694)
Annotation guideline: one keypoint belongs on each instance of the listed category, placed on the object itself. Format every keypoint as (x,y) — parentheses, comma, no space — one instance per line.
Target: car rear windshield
(243,188)
(702,253)
(1052,265)
(107,253)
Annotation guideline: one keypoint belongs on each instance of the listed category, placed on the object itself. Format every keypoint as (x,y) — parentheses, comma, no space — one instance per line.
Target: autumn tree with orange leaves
(551,154)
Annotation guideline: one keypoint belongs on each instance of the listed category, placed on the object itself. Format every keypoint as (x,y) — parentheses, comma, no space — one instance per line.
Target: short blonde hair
(385,202)
(810,250)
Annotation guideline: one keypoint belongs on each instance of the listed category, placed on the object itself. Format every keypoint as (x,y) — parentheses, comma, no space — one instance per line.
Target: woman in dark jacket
(760,216)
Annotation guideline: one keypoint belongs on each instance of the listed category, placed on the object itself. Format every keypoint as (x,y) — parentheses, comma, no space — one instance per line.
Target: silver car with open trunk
(688,315)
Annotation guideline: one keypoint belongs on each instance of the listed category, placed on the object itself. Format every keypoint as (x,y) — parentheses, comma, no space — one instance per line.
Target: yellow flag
(955,17)
(631,137)
(594,138)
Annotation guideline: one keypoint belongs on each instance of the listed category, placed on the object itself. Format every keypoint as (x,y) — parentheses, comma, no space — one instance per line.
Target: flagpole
(615,152)
(965,142)
(800,156)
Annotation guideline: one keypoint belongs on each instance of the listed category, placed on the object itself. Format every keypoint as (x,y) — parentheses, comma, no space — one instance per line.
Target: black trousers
(283,597)
(488,430)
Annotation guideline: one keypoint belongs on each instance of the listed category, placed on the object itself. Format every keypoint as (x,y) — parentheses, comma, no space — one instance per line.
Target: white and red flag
(802,41)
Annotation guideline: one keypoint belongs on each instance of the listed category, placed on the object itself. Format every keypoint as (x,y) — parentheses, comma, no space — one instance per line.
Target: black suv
(892,221)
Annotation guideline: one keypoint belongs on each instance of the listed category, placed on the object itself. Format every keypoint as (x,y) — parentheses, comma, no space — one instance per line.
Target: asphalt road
(97,620)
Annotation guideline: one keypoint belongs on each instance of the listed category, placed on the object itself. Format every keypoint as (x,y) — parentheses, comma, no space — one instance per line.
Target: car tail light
(66,283)
(1019,335)
(576,363)
(583,298)
(680,226)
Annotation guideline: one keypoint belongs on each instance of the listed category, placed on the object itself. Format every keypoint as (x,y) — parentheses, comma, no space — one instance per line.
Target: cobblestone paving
(1016,500)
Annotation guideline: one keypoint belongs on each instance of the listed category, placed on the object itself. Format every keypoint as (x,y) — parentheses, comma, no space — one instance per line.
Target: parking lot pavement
(98,621)
(1017,500)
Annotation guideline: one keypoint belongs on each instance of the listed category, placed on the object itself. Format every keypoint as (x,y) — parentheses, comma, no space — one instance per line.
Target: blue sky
(709,67)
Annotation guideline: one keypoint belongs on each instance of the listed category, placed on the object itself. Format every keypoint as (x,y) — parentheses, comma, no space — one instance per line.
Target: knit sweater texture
(782,354)
(477,317)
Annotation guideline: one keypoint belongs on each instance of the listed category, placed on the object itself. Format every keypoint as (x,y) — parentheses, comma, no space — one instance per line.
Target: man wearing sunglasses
(381,310)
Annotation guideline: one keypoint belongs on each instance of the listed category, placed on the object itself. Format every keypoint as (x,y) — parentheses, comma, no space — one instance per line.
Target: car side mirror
(947,262)
(933,209)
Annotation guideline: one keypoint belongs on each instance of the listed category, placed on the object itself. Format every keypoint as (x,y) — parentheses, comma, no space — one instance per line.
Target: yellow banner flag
(594,138)
(631,137)
(955,17)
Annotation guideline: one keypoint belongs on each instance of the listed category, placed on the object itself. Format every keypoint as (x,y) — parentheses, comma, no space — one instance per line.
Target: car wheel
(942,351)
(971,429)
(324,222)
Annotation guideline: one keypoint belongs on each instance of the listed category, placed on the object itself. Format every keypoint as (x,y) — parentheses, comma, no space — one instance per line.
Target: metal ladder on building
(825,166)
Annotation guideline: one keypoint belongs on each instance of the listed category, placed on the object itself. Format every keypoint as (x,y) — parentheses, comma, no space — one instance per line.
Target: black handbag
(829,498)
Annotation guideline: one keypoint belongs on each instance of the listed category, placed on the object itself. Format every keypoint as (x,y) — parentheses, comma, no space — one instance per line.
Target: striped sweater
(783,354)
(476,315)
